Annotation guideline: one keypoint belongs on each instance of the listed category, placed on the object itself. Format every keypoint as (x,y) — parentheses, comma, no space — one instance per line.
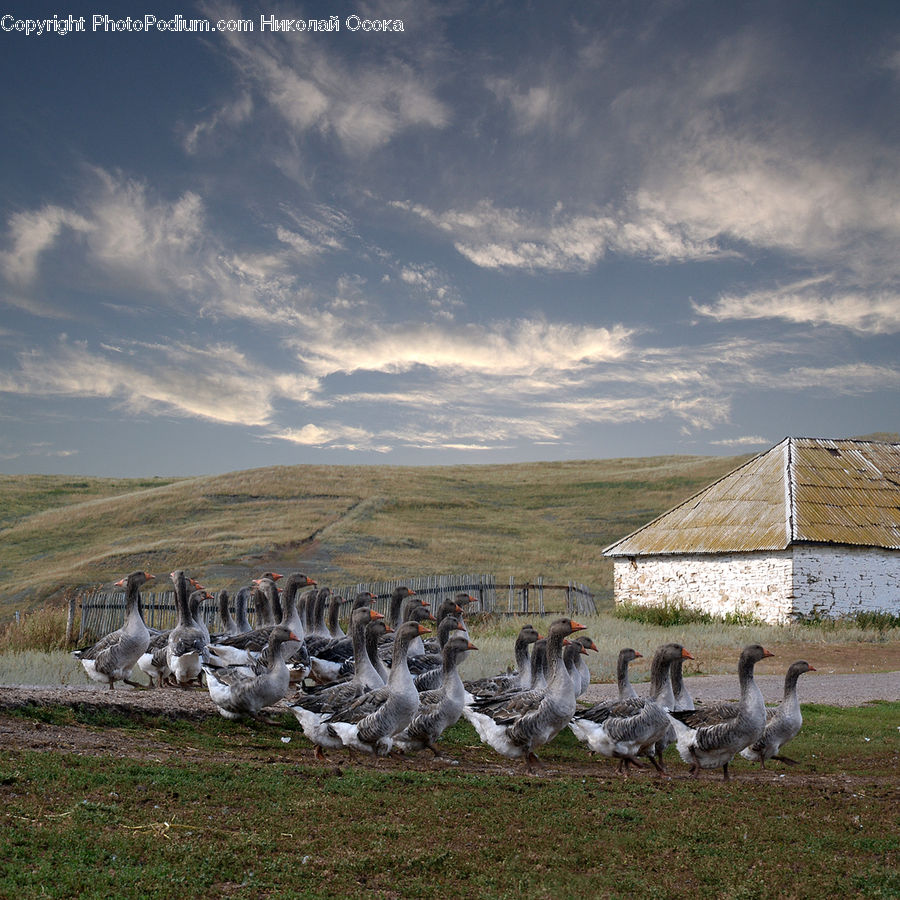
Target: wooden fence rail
(104,611)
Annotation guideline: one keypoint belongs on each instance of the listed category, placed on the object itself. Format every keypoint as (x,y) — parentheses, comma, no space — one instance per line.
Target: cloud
(150,243)
(494,238)
(745,441)
(231,115)
(332,435)
(30,234)
(813,302)
(363,104)
(216,383)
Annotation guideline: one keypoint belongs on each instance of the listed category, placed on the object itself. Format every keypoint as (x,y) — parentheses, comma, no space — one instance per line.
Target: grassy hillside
(337,523)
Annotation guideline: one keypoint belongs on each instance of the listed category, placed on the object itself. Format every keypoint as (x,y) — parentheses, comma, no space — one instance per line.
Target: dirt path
(851,689)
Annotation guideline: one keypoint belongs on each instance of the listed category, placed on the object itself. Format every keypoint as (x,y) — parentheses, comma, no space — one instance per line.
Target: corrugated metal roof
(803,489)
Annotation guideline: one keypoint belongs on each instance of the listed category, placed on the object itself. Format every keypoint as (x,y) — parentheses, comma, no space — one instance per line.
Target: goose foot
(785,759)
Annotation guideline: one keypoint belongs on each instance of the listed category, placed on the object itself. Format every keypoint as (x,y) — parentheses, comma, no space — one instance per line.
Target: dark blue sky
(509,232)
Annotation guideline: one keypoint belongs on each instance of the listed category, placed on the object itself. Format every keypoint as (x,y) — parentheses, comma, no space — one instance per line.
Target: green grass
(338,523)
(232,810)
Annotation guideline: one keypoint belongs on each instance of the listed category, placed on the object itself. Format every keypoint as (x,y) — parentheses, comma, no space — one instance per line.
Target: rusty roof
(801,490)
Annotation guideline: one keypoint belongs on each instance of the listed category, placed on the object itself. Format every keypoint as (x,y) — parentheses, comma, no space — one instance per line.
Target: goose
(330,698)
(333,623)
(187,641)
(430,675)
(370,723)
(414,609)
(522,726)
(681,695)
(398,595)
(248,648)
(262,609)
(240,610)
(152,662)
(584,673)
(317,627)
(238,693)
(709,737)
(626,689)
(519,678)
(784,722)
(439,708)
(257,638)
(229,626)
(113,657)
(627,729)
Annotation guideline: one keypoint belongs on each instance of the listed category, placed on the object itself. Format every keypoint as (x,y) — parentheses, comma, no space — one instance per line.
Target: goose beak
(388,629)
(811,669)
(577,627)
(120,582)
(149,577)
(293,637)
(473,647)
(641,655)
(685,654)
(460,627)
(766,653)
(423,629)
(374,614)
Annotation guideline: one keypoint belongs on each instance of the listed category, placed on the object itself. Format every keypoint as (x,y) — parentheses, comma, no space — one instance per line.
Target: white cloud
(334,436)
(363,104)
(30,234)
(495,238)
(745,441)
(813,302)
(231,114)
(217,383)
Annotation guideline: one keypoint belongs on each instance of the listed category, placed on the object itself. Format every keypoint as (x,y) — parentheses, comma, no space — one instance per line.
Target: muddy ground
(274,743)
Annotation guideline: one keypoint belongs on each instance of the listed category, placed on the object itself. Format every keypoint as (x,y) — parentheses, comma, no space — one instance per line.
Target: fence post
(70,620)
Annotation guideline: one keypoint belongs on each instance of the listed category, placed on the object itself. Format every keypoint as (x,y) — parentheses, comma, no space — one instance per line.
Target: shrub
(673,615)
(44,629)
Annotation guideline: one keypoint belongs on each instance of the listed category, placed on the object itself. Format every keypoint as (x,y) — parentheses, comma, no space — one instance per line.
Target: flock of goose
(384,686)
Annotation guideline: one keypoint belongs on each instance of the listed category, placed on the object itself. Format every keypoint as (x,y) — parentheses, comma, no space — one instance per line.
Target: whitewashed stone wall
(842,581)
(775,587)
(717,584)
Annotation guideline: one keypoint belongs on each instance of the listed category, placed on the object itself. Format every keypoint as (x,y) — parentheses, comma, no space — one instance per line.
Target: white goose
(113,657)
(784,723)
(629,728)
(626,689)
(710,736)
(533,718)
(439,708)
(519,679)
(237,693)
(370,723)
(332,697)
(187,641)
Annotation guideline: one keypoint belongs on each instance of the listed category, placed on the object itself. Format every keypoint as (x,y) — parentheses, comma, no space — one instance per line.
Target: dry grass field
(339,523)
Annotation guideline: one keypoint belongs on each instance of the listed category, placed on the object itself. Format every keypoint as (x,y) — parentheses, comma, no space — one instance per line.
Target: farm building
(809,528)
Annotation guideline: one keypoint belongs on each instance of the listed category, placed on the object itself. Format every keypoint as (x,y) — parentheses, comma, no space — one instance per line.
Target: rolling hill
(337,523)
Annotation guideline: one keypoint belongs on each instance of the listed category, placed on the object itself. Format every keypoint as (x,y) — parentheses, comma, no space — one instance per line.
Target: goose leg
(727,777)
(785,759)
(135,684)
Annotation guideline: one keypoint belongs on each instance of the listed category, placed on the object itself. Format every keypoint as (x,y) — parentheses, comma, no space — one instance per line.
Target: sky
(486,232)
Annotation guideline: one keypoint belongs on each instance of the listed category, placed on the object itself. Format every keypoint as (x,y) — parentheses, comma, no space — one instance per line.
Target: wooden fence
(104,611)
